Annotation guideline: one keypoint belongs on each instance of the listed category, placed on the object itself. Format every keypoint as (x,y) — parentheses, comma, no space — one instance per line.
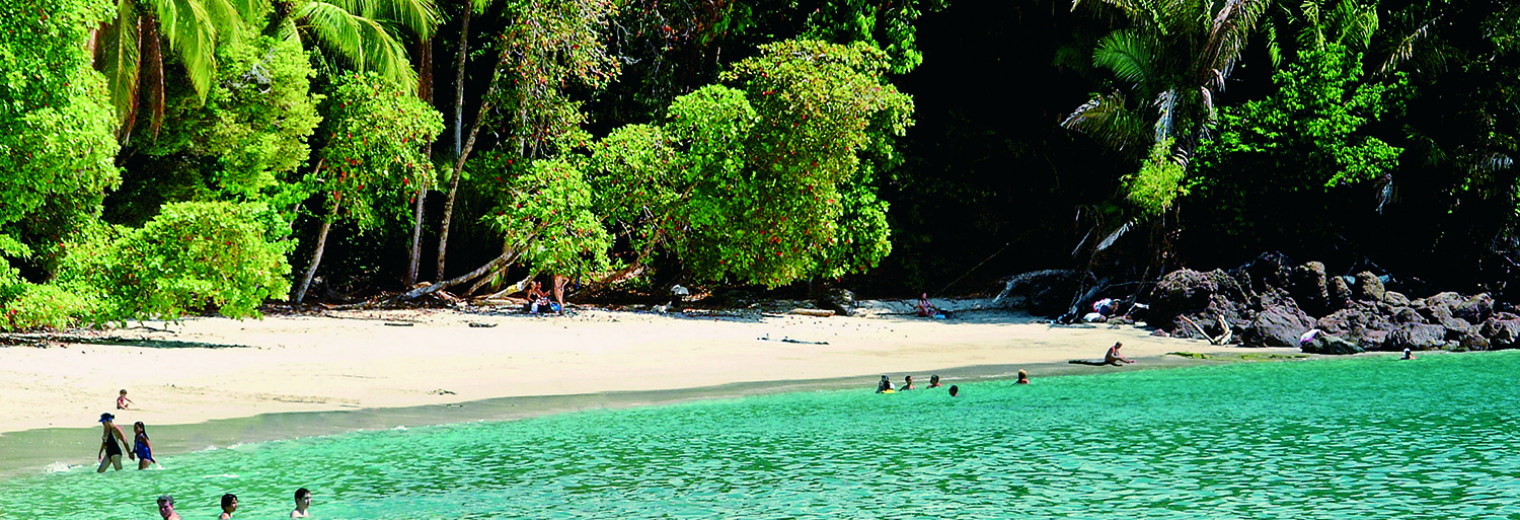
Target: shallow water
(1354,438)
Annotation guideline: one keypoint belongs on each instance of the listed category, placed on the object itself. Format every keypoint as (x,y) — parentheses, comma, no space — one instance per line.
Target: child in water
(141,447)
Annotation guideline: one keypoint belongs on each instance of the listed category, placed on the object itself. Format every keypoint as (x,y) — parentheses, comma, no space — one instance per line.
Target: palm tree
(1172,58)
(131,50)
(365,34)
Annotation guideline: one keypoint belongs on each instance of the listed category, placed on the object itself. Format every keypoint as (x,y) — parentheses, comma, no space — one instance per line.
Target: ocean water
(1371,437)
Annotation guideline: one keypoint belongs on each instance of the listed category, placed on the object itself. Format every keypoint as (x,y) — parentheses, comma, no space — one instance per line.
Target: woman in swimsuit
(141,447)
(110,452)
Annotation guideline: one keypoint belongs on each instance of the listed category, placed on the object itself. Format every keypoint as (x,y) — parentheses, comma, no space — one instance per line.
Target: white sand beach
(202,369)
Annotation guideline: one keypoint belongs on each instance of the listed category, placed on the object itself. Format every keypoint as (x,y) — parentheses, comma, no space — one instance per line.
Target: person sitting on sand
(928,310)
(955,390)
(303,501)
(166,507)
(934,381)
(121,400)
(907,384)
(1112,357)
(229,504)
(884,386)
(537,297)
(141,447)
(1023,377)
(110,452)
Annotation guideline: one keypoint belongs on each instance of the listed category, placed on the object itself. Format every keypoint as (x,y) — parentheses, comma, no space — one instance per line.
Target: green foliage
(365,35)
(1313,127)
(546,212)
(1157,185)
(888,27)
(549,47)
(56,127)
(372,160)
(255,123)
(763,182)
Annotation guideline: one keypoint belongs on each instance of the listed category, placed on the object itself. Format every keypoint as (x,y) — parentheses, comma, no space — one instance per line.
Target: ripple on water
(1336,439)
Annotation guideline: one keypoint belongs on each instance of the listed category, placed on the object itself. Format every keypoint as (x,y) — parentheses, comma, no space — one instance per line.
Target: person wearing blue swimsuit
(141,447)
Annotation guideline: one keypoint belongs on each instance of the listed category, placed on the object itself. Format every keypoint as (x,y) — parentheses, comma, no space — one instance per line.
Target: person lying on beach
(110,452)
(1023,378)
(884,386)
(229,504)
(907,384)
(122,401)
(166,507)
(934,381)
(303,501)
(141,447)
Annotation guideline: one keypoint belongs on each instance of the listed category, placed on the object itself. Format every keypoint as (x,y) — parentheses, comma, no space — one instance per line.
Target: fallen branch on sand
(1221,339)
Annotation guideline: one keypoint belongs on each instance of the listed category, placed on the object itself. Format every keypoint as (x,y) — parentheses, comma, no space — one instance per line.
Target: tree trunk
(459,150)
(316,256)
(424,91)
(503,260)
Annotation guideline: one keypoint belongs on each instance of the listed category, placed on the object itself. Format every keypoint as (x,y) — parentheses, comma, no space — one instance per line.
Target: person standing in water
(141,447)
(1023,377)
(229,504)
(303,501)
(110,451)
(166,507)
(907,384)
(934,381)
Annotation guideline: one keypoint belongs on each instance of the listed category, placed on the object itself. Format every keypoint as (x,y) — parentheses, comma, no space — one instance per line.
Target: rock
(1277,325)
(1339,293)
(1372,339)
(1331,344)
(1368,287)
(1501,333)
(1189,292)
(1407,315)
(1475,308)
(1471,339)
(1046,293)
(1309,287)
(839,300)
(1270,269)
(1455,326)
(1416,336)
(1395,298)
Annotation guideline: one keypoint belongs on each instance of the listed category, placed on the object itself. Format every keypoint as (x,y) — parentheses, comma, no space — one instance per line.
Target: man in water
(907,384)
(110,451)
(1023,377)
(303,501)
(934,381)
(1408,353)
(885,385)
(166,507)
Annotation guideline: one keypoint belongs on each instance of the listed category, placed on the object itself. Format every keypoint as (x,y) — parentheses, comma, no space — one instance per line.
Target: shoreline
(222,381)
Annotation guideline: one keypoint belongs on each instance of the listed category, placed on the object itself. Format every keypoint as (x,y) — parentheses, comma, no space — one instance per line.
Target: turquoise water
(1355,438)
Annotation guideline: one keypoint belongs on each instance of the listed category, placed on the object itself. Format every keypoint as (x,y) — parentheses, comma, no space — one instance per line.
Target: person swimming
(166,507)
(229,504)
(141,447)
(303,501)
(934,381)
(955,390)
(1023,377)
(907,384)
(884,386)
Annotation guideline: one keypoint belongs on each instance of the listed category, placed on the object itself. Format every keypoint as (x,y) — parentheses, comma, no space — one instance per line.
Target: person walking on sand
(166,507)
(110,452)
(934,381)
(303,501)
(121,400)
(141,447)
(229,504)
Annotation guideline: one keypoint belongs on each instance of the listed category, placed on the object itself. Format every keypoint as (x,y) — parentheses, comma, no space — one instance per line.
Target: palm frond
(1129,54)
(1405,50)
(1355,22)
(420,17)
(1166,110)
(1114,236)
(1106,119)
(191,34)
(119,60)
(363,42)
(229,18)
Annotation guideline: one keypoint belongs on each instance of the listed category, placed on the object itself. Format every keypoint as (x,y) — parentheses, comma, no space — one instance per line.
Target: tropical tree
(365,35)
(1169,62)
(132,57)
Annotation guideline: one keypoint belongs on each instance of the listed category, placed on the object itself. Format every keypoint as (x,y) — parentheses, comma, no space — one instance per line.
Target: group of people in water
(112,441)
(230,506)
(884,386)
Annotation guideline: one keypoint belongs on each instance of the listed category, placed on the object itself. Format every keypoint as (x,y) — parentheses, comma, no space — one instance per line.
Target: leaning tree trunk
(505,259)
(316,256)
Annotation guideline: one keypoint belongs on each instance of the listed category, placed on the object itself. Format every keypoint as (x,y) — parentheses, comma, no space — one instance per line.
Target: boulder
(1407,315)
(1372,339)
(839,300)
(1046,293)
(1472,339)
(1395,298)
(1501,333)
(1340,294)
(1474,308)
(1270,269)
(1455,327)
(1331,344)
(1416,336)
(1277,325)
(1309,287)
(1189,292)
(1368,287)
